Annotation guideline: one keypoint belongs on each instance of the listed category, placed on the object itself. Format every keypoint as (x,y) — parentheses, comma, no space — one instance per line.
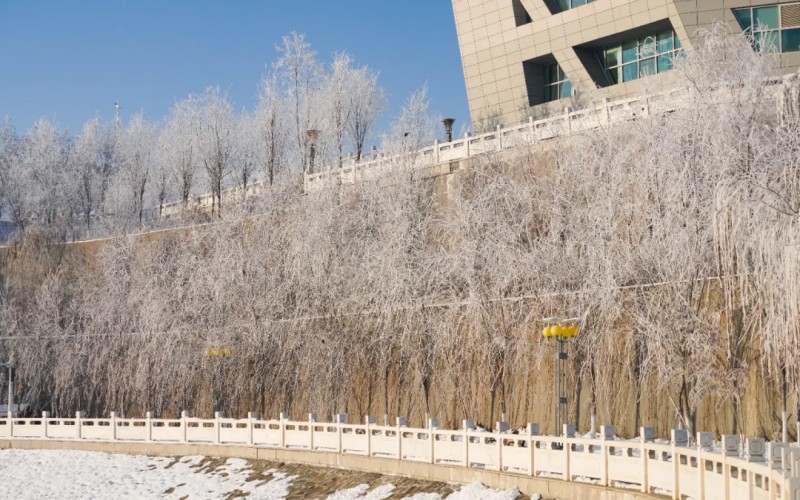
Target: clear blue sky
(69,60)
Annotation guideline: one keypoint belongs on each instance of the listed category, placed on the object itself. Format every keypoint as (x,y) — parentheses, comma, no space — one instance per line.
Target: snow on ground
(34,474)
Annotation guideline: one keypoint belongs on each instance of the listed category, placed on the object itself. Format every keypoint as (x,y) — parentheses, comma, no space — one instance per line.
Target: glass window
(557,84)
(743,18)
(647,47)
(767,41)
(790,40)
(647,67)
(665,42)
(612,57)
(630,72)
(566,89)
(765,18)
(646,56)
(664,63)
(630,51)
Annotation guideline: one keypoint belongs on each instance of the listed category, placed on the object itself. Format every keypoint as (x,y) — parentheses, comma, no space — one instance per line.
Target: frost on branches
(673,238)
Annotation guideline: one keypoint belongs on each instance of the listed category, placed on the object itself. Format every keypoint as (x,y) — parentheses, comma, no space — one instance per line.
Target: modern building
(546,54)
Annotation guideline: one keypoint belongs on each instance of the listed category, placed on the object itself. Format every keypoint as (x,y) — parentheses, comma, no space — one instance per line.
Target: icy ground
(59,474)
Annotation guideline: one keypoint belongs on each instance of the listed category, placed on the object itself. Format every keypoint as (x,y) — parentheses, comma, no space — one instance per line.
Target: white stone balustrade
(605,114)
(723,470)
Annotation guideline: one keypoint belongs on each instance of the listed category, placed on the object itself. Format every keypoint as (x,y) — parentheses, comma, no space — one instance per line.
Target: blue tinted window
(790,40)
(664,63)
(630,72)
(664,42)
(647,67)
(743,18)
(630,51)
(765,18)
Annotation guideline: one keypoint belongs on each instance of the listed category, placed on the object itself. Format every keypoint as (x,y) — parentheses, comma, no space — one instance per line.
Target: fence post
(282,418)
(499,137)
(530,128)
(341,418)
(466,426)
(368,419)
(432,424)
(312,419)
(466,143)
(149,425)
(45,416)
(606,110)
(112,416)
(78,417)
(679,437)
(730,448)
(251,417)
(646,435)
(533,430)
(401,422)
(704,440)
(184,426)
(502,427)
(436,151)
(606,434)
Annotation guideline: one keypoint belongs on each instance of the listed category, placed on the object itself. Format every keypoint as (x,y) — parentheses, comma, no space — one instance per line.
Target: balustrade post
(45,415)
(251,418)
(679,438)
(502,427)
(369,420)
(78,431)
(704,440)
(432,424)
(466,143)
(312,419)
(499,133)
(217,416)
(606,110)
(436,151)
(606,434)
(530,128)
(341,418)
(646,435)
(533,430)
(730,448)
(401,422)
(112,416)
(185,426)
(282,418)
(149,425)
(468,426)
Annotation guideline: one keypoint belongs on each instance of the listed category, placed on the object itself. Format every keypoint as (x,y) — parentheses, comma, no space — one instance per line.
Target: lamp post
(561,333)
(448,128)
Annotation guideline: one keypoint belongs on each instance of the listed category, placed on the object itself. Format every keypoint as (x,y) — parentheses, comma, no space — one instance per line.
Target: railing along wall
(728,470)
(605,114)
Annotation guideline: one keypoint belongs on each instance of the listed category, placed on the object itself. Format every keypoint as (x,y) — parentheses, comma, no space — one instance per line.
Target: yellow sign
(218,352)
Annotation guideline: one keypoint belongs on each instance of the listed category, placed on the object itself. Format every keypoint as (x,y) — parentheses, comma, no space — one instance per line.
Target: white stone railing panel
(756,470)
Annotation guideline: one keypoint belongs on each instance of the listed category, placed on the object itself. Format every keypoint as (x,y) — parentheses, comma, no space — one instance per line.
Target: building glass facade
(641,57)
(773,28)
(556,83)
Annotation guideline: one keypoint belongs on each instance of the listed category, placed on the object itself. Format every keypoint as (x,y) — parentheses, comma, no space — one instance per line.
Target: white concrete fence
(728,470)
